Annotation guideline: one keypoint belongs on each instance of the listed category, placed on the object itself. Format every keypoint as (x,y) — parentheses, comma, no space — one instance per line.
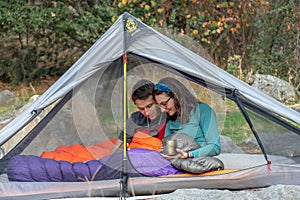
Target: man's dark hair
(142,90)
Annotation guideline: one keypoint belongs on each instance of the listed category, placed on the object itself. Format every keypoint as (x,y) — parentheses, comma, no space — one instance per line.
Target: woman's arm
(209,126)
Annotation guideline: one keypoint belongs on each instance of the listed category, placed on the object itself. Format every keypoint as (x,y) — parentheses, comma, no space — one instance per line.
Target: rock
(275,87)
(9,115)
(7,98)
(250,145)
(275,192)
(228,146)
(296,107)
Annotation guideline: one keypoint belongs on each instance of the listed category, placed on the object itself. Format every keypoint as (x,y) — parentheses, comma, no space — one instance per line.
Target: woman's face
(166,103)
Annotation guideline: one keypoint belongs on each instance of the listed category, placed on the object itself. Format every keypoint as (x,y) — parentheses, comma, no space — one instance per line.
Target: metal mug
(170,147)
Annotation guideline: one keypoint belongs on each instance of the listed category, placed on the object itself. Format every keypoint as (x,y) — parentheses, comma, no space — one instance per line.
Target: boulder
(7,98)
(228,146)
(275,87)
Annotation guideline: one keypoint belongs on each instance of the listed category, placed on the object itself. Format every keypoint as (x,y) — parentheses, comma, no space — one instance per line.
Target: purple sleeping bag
(143,162)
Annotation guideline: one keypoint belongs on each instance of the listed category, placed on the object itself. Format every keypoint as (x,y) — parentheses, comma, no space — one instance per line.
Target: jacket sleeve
(208,123)
(136,119)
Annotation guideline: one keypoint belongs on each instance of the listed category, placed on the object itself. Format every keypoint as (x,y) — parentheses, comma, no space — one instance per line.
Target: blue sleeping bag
(142,162)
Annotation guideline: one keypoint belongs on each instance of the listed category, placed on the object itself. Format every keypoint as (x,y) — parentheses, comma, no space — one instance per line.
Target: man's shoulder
(138,117)
(137,114)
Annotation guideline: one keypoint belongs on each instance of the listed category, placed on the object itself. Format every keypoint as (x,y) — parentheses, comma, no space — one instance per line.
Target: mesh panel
(277,140)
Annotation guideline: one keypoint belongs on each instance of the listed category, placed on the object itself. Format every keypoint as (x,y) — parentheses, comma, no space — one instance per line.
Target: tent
(90,103)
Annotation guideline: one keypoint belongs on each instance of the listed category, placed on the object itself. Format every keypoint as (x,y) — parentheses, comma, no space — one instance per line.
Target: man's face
(147,107)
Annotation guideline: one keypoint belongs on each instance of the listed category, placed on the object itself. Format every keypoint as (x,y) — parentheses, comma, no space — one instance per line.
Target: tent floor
(258,176)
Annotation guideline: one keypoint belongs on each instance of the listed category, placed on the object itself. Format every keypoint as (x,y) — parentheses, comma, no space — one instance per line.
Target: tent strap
(244,112)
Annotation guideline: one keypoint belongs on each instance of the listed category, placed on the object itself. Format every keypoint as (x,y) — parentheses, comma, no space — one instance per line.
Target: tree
(276,45)
(47,37)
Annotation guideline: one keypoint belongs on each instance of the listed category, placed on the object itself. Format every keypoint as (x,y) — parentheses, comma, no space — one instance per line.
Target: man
(148,119)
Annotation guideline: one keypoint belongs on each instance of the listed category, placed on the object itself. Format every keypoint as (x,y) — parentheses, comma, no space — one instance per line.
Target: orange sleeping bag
(145,141)
(80,153)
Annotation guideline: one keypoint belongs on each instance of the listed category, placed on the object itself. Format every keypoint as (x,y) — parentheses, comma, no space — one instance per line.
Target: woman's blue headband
(162,87)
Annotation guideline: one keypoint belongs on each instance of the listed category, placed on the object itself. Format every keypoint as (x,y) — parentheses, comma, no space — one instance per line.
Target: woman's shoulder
(204,107)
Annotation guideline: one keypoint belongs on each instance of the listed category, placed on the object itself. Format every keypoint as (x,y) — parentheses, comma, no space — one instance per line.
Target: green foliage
(275,49)
(264,33)
(7,109)
(55,30)
(234,66)
(236,127)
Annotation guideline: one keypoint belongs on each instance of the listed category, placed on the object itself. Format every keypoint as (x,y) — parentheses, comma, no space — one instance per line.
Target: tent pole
(124,180)
(241,107)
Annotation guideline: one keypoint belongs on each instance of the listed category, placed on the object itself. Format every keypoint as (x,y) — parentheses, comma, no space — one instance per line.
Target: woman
(188,116)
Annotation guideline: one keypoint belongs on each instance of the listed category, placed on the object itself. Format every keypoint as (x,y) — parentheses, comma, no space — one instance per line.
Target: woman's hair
(142,90)
(184,100)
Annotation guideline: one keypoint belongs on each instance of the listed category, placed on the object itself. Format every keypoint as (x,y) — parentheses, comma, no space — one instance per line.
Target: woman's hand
(161,149)
(180,154)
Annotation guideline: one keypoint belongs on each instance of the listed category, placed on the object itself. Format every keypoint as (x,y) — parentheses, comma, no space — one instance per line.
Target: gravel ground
(276,192)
